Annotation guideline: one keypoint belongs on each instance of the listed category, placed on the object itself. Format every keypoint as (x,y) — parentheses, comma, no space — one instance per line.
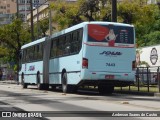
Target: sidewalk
(8,82)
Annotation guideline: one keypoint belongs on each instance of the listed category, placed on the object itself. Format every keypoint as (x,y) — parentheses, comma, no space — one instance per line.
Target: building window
(8,5)
(8,11)
(28,1)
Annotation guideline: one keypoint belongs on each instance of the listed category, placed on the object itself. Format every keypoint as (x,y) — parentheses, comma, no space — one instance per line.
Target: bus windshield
(112,34)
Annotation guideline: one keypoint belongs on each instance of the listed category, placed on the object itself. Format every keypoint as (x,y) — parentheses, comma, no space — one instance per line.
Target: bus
(90,53)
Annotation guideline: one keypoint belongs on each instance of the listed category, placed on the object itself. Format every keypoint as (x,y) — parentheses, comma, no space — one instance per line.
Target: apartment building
(24,7)
(8,8)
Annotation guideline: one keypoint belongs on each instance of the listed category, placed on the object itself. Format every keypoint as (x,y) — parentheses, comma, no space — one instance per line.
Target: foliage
(83,10)
(12,37)
(41,28)
(145,18)
(3,51)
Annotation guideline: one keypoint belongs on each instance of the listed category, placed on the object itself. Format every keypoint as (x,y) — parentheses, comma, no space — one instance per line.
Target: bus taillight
(85,63)
(133,65)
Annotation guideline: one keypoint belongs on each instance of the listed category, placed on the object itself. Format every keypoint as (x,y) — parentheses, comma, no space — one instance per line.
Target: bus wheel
(65,87)
(104,89)
(24,85)
(39,85)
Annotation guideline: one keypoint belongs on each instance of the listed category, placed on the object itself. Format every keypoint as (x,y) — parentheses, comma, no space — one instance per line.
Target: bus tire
(65,86)
(104,89)
(24,85)
(39,85)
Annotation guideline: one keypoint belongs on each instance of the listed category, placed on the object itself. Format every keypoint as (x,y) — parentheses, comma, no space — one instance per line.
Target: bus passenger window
(74,36)
(61,46)
(39,51)
(31,54)
(67,44)
(27,54)
(54,48)
(24,56)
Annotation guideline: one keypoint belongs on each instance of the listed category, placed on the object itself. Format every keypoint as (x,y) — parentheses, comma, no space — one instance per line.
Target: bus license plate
(109,77)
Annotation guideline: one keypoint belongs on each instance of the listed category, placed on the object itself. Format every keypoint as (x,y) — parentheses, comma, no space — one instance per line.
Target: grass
(142,88)
(152,88)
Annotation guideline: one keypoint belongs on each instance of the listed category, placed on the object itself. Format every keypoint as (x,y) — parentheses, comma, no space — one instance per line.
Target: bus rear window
(110,34)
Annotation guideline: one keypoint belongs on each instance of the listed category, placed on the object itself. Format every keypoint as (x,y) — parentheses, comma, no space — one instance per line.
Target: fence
(147,79)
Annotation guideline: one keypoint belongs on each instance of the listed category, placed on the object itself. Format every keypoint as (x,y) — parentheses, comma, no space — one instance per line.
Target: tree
(41,29)
(44,26)
(148,26)
(83,10)
(3,52)
(12,37)
(145,18)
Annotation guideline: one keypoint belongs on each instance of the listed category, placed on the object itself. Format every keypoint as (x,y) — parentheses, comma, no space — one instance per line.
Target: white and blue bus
(91,53)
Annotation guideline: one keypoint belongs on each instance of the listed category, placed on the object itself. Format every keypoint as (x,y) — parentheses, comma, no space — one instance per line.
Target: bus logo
(31,68)
(153,56)
(110,53)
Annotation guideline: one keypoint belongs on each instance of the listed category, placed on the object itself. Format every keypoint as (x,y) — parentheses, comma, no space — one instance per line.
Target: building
(24,7)
(8,8)
(41,12)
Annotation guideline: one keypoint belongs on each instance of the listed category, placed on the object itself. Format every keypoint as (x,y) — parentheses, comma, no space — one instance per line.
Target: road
(14,98)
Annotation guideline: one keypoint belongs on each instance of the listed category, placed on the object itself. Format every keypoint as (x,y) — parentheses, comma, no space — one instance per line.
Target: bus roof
(33,43)
(85,23)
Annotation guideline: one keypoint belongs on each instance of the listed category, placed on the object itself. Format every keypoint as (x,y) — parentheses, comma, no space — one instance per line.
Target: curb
(8,82)
(157,94)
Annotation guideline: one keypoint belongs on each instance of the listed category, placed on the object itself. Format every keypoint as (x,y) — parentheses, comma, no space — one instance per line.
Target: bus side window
(58,48)
(24,56)
(27,55)
(54,48)
(31,54)
(34,53)
(67,44)
(61,46)
(51,50)
(38,52)
(75,38)
(80,36)
(41,51)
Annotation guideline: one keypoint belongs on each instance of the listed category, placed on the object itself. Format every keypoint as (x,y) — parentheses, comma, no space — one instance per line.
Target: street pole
(17,9)
(114,10)
(32,27)
(50,21)
(37,22)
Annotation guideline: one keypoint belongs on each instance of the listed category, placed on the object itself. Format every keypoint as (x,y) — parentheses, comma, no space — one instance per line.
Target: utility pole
(32,27)
(38,21)
(50,21)
(50,17)
(17,9)
(114,10)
